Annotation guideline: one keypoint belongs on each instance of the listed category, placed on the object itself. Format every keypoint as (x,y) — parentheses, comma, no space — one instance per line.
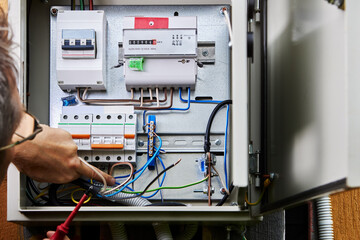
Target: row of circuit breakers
(154,53)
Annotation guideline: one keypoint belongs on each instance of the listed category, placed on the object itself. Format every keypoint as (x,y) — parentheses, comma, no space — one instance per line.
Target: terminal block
(151,140)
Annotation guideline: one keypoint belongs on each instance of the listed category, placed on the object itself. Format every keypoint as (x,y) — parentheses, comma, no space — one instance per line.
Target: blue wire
(183,100)
(125,176)
(225,150)
(130,189)
(196,101)
(141,172)
(144,118)
(176,109)
(162,180)
(160,185)
(181,109)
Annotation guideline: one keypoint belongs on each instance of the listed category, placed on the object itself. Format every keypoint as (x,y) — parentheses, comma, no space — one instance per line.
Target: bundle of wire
(106,192)
(141,170)
(157,157)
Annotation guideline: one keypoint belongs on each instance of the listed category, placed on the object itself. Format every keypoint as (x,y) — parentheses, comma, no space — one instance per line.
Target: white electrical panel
(160,52)
(80,52)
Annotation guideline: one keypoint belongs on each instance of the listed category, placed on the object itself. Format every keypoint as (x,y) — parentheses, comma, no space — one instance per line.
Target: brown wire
(121,163)
(127,180)
(130,100)
(158,108)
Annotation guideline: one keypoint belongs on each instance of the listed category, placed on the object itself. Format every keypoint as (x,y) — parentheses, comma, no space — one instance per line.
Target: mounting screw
(223,191)
(212,190)
(205,53)
(214,160)
(131,116)
(129,158)
(54,11)
(141,143)
(217,142)
(222,10)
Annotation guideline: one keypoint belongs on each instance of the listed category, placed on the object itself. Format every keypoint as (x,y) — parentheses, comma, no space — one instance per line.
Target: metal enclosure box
(21,212)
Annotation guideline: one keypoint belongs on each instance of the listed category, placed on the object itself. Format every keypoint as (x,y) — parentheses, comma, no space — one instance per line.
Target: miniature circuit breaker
(103,137)
(159,52)
(80,51)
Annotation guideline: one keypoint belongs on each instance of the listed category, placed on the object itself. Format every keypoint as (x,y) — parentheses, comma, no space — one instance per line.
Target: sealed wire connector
(136,64)
(202,164)
(69,100)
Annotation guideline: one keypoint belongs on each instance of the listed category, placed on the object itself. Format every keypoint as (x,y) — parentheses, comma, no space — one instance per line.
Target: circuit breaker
(160,52)
(102,137)
(80,50)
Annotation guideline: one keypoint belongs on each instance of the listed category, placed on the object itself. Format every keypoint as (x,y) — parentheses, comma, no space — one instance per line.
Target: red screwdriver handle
(63,228)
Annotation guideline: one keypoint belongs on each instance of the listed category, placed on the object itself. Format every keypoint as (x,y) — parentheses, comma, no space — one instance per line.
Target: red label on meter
(151,23)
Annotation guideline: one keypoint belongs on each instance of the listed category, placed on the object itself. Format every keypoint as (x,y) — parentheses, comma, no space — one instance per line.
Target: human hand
(50,233)
(52,157)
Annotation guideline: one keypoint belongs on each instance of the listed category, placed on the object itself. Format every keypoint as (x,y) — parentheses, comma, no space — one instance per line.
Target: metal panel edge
(310,194)
(239,94)
(17,21)
(353,86)
(155,2)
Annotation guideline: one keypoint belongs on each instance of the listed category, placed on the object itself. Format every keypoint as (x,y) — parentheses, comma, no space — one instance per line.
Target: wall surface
(7,230)
(346,214)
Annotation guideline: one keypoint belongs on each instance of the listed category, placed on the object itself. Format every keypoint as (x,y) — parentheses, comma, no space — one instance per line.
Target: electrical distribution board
(157,65)
(136,86)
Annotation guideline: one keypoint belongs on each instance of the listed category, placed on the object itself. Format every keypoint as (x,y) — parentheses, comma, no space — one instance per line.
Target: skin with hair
(10,106)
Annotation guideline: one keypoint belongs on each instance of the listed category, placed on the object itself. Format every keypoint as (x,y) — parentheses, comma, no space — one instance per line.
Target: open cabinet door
(313,99)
